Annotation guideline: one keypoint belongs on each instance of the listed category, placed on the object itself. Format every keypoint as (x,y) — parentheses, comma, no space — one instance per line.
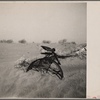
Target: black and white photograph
(43,49)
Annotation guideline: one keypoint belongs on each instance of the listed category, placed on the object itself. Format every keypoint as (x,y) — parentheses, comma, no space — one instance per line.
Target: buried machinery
(44,64)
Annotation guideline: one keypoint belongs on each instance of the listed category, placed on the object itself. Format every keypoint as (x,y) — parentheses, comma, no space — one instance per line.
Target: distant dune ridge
(15,83)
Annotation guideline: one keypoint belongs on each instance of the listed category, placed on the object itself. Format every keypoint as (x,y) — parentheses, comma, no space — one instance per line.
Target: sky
(40,21)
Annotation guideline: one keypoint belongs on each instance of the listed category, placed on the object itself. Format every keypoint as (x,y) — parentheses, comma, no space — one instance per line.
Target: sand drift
(16,83)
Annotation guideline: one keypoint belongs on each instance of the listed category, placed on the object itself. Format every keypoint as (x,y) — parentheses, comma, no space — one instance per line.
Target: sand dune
(15,83)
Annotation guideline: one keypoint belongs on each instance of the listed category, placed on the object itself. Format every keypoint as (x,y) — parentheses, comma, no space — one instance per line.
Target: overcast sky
(43,21)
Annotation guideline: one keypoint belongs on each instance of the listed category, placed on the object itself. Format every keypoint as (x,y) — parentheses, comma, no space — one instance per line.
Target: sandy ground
(16,83)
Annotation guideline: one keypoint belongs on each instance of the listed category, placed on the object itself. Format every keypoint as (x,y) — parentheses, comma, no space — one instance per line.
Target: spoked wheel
(42,65)
(57,71)
(38,65)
